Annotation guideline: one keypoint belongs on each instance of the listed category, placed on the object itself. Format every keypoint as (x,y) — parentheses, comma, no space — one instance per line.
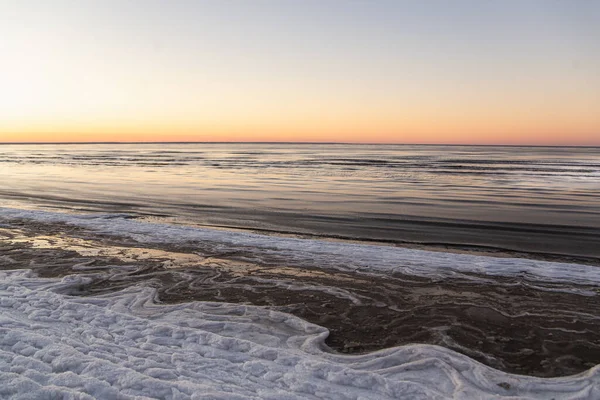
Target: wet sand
(512,324)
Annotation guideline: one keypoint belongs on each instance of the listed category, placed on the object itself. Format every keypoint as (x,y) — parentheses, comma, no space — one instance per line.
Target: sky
(476,72)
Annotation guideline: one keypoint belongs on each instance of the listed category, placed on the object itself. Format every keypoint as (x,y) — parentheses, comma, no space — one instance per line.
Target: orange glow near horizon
(162,72)
(497,138)
(485,130)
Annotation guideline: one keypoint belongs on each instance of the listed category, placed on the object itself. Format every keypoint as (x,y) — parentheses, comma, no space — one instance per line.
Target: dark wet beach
(512,324)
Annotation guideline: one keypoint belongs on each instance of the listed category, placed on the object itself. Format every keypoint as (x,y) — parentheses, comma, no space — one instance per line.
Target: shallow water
(536,199)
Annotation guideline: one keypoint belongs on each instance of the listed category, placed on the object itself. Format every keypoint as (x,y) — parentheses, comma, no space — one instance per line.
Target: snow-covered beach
(128,343)
(124,346)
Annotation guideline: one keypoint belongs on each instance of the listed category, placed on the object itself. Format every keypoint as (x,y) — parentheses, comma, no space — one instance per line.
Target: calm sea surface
(521,198)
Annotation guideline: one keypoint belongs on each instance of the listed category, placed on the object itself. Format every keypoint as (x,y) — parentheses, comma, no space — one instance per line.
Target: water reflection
(262,185)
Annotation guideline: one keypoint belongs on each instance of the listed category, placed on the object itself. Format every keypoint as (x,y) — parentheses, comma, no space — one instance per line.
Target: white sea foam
(125,346)
(326,254)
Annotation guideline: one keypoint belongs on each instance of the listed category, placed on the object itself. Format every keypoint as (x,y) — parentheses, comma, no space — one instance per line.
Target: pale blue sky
(191,64)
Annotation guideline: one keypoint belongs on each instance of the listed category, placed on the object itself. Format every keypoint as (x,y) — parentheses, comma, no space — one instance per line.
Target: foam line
(366,258)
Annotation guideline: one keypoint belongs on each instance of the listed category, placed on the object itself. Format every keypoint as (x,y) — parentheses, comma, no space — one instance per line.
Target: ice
(125,345)
(327,254)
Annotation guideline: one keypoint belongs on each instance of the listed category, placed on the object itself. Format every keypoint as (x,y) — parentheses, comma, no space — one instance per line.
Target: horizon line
(309,142)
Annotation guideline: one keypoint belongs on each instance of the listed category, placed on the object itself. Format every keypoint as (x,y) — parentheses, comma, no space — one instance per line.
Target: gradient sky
(508,72)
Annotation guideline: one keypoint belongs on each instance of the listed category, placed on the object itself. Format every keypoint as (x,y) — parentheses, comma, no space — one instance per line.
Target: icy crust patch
(325,254)
(125,346)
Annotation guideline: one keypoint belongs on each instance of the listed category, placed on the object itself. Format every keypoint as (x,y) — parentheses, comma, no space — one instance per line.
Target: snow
(125,346)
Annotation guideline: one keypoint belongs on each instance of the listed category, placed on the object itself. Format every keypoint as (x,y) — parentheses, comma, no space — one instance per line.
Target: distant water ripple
(534,199)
